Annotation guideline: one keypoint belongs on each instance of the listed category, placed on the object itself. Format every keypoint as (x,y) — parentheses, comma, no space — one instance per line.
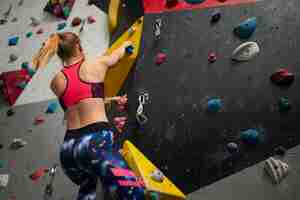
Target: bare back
(87,111)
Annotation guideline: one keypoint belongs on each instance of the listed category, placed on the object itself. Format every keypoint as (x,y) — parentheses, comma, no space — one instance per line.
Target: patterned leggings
(87,155)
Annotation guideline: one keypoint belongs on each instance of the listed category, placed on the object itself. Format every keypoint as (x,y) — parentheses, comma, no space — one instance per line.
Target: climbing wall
(95,40)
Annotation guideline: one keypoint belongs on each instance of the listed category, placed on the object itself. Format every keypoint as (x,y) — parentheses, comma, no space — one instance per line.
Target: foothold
(280,151)
(246,28)
(3,21)
(15,19)
(214,105)
(284,105)
(171,3)
(29,34)
(91,19)
(251,136)
(22,85)
(13,41)
(282,77)
(17,143)
(245,51)
(13,58)
(10,113)
(76,21)
(232,147)
(52,108)
(276,169)
(157,176)
(215,17)
(129,49)
(61,26)
(25,65)
(160,58)
(212,57)
(39,120)
(4,178)
(34,22)
(38,174)
(40,31)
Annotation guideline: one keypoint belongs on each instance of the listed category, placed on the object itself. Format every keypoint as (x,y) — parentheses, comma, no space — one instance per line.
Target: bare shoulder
(58,84)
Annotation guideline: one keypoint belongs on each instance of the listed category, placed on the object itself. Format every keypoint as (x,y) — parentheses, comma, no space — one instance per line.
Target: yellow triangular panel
(117,75)
(143,168)
(113,12)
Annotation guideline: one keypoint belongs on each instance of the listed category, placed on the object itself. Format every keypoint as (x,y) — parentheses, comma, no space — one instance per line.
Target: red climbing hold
(171,3)
(160,58)
(120,123)
(91,19)
(212,57)
(40,31)
(282,77)
(38,174)
(39,120)
(76,21)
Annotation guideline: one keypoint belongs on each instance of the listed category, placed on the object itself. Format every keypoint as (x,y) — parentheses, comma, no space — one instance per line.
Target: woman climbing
(87,152)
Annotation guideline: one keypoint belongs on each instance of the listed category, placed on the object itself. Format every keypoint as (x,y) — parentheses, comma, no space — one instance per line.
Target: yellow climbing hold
(113,12)
(117,75)
(144,168)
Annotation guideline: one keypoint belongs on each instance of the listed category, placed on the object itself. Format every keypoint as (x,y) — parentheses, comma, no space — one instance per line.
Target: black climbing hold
(10,112)
(215,17)
(280,151)
(194,1)
(1,146)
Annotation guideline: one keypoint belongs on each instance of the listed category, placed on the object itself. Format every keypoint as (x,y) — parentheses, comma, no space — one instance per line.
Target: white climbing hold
(276,169)
(157,176)
(18,143)
(245,51)
(4,178)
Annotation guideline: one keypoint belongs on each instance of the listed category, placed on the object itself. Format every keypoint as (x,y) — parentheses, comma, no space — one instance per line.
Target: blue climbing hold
(214,105)
(52,107)
(129,49)
(61,26)
(13,41)
(232,147)
(246,28)
(251,136)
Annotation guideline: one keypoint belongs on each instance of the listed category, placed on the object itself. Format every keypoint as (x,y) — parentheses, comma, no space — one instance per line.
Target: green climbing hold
(29,34)
(284,104)
(154,196)
(66,11)
(2,163)
(22,85)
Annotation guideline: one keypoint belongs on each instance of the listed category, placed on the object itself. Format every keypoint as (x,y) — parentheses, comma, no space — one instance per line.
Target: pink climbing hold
(40,31)
(212,57)
(39,120)
(160,58)
(122,103)
(91,19)
(120,122)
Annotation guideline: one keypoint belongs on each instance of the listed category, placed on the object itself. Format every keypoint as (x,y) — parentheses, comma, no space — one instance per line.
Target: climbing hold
(39,120)
(58,10)
(222,1)
(131,31)
(250,136)
(215,17)
(245,51)
(214,105)
(15,19)
(160,58)
(38,174)
(282,77)
(52,107)
(34,22)
(122,103)
(40,31)
(91,19)
(129,49)
(13,58)
(21,3)
(25,65)
(4,178)
(30,71)
(61,26)
(29,34)
(232,147)
(246,28)
(154,196)
(276,169)
(13,41)
(120,122)
(76,21)
(17,143)
(22,85)
(157,176)
(10,113)
(284,105)
(66,11)
(2,163)
(281,151)
(171,3)
(212,57)
(1,146)
(194,1)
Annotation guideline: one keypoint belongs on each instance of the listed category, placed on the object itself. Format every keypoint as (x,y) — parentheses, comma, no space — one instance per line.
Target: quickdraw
(49,187)
(140,116)
(157,28)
